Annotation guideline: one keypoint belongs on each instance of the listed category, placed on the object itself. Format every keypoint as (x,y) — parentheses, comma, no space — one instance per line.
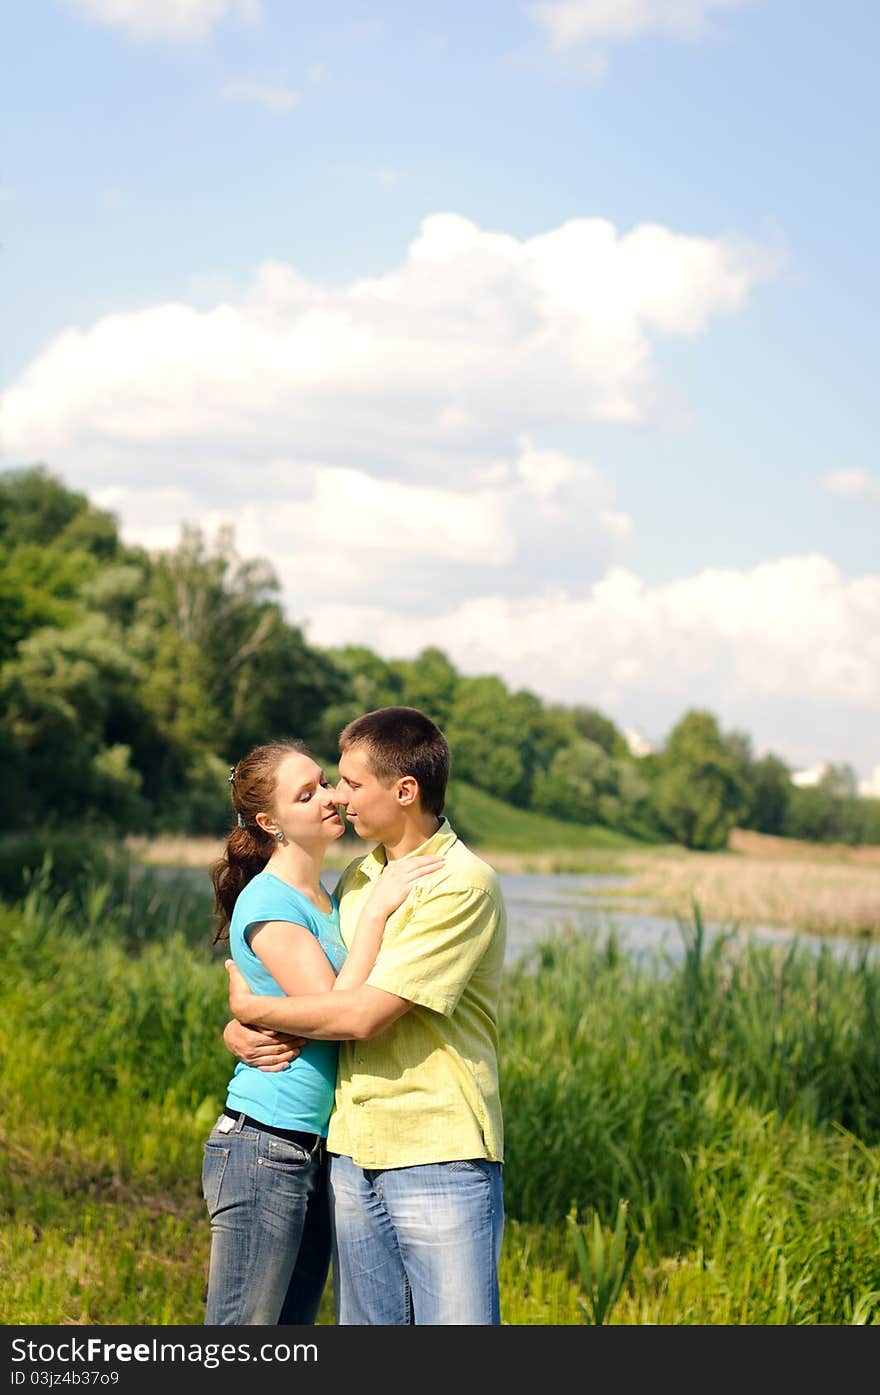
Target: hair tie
(240,821)
(231,777)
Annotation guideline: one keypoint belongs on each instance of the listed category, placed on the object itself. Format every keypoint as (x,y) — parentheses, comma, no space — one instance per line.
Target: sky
(544,333)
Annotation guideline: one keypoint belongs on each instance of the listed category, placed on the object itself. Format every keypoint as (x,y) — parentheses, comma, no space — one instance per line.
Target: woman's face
(306,805)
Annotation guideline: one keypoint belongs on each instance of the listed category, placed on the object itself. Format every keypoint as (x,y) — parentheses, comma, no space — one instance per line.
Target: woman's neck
(300,868)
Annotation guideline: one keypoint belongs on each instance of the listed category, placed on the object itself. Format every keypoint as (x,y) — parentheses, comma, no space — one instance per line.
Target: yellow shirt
(426,1089)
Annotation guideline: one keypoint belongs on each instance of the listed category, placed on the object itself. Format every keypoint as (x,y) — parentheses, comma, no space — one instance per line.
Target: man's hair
(402,741)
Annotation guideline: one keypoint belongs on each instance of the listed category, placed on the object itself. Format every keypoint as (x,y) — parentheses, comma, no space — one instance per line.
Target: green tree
(361,682)
(828,812)
(700,793)
(488,733)
(593,725)
(771,791)
(58,697)
(428,682)
(580,776)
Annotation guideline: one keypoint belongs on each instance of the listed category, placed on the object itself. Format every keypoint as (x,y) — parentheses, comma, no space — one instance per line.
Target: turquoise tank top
(300,1097)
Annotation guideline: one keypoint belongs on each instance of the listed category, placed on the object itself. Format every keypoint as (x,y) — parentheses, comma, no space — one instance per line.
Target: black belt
(305,1140)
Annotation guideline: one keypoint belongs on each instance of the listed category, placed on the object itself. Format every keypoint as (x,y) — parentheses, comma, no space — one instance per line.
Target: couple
(394,983)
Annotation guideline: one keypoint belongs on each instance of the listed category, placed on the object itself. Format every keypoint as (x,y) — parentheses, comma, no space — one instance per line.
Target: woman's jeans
(270,1229)
(417,1245)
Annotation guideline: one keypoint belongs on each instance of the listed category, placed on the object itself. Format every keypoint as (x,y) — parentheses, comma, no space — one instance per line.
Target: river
(539,906)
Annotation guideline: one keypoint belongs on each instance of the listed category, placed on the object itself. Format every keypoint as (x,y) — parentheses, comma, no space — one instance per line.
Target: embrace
(364,1117)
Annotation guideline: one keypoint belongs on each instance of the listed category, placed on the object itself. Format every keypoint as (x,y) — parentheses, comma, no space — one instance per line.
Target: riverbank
(828,890)
(729,1104)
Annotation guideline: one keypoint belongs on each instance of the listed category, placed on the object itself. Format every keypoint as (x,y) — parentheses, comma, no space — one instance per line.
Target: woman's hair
(248,848)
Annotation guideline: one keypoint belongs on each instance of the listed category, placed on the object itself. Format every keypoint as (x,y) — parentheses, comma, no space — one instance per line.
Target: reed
(727,1105)
(838,893)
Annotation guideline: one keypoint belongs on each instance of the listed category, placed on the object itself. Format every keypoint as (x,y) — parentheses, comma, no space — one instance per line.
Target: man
(415,1138)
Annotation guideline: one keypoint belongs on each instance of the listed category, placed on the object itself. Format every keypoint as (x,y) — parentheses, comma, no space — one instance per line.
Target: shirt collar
(439,842)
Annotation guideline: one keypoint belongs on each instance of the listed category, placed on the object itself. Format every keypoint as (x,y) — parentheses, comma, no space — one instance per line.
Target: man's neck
(413,833)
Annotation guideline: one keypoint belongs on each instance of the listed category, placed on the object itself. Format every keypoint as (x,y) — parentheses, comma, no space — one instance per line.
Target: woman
(263,1174)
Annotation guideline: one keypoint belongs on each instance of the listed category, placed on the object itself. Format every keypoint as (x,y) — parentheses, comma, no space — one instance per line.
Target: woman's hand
(397,880)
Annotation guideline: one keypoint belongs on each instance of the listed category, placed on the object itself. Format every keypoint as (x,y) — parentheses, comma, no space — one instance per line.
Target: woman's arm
(390,891)
(299,966)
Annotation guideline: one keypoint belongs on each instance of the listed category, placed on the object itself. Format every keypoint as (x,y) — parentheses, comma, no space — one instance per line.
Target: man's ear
(407,791)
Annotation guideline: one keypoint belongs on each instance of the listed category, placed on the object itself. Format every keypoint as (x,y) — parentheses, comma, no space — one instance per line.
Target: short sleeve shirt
(426,1089)
(300,1097)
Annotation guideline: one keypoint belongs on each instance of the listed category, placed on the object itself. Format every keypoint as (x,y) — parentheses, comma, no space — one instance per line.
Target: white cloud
(852,484)
(177,20)
(475,338)
(340,533)
(572,24)
(789,651)
(264,94)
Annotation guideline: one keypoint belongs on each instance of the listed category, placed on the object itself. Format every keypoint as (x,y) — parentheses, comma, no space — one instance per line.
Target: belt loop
(239,1121)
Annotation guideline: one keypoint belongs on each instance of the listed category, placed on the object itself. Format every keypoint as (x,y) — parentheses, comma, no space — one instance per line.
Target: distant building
(866,789)
(870,789)
(636,743)
(804,778)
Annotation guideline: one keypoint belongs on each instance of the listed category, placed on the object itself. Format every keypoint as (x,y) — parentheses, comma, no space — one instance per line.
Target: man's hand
(266,1050)
(242,1002)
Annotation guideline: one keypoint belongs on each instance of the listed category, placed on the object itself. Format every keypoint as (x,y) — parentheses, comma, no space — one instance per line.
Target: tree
(58,696)
(828,812)
(700,793)
(35,508)
(429,682)
(595,726)
(771,790)
(580,776)
(488,734)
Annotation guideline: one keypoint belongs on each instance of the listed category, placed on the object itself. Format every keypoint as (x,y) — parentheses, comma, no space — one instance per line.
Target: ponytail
(248,847)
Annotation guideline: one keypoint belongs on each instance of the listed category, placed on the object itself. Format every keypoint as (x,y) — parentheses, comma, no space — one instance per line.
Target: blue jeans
(270,1228)
(416,1245)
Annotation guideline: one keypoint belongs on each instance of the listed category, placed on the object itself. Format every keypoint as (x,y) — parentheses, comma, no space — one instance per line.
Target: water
(539,906)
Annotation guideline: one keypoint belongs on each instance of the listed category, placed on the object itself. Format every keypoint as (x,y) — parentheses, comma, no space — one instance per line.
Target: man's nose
(339,795)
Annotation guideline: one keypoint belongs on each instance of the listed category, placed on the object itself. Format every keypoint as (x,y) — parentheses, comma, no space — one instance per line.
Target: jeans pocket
(479,1166)
(213,1167)
(283,1154)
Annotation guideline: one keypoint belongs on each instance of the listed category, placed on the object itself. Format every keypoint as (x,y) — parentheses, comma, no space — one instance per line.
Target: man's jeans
(270,1229)
(416,1245)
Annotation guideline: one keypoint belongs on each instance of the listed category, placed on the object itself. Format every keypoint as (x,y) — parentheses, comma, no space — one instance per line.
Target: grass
(729,1103)
(773,881)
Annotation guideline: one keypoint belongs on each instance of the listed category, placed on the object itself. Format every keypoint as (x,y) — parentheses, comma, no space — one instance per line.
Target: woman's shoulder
(267,897)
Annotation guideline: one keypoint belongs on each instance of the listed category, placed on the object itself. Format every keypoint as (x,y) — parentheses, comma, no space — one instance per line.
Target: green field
(731,1104)
(489,823)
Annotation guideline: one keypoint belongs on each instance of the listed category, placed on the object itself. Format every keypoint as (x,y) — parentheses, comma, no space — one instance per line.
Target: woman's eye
(304,798)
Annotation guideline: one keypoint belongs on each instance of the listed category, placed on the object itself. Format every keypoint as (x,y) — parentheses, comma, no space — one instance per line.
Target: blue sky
(545,333)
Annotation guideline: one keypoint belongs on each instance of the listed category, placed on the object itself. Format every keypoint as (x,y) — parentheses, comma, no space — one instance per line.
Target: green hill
(486,822)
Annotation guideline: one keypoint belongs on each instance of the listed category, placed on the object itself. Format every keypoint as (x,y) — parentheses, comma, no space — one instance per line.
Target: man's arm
(348,1014)
(274,1051)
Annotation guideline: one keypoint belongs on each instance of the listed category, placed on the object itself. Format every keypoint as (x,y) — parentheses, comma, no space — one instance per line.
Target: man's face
(372,808)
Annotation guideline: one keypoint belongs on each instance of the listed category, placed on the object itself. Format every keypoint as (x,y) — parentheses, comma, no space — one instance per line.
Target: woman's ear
(267,824)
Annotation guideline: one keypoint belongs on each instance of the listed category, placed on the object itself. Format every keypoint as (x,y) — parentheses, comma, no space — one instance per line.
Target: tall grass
(730,1103)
